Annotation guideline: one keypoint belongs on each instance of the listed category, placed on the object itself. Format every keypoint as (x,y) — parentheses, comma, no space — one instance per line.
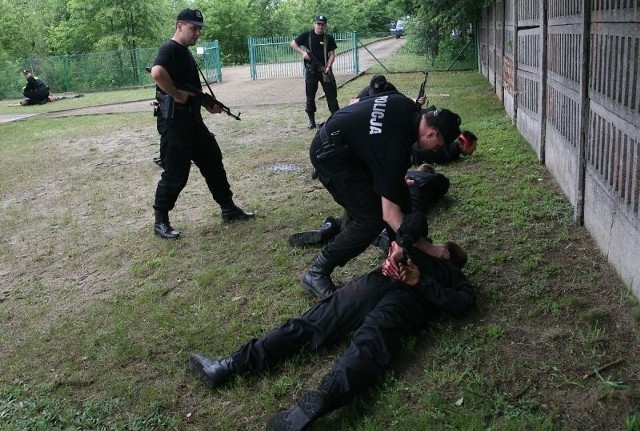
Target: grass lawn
(98,316)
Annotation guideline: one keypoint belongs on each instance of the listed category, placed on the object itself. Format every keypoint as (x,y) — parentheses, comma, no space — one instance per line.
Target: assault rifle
(326,77)
(203,98)
(421,93)
(209,100)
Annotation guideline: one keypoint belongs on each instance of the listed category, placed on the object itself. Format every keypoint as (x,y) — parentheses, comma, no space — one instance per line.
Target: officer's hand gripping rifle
(203,98)
(421,93)
(326,77)
(209,100)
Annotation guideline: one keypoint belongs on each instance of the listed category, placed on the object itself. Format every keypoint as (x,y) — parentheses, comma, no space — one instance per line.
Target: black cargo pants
(378,311)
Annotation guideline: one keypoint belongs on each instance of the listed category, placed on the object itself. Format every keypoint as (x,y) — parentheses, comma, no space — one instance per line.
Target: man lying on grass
(379,309)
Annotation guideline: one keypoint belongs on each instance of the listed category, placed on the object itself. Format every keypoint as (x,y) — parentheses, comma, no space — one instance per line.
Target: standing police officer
(361,156)
(183,133)
(319,53)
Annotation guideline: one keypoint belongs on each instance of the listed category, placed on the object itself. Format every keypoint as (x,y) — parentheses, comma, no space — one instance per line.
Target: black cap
(447,123)
(26,72)
(378,83)
(321,19)
(193,16)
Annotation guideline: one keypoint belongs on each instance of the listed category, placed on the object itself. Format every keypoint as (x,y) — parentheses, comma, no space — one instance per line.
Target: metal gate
(272,57)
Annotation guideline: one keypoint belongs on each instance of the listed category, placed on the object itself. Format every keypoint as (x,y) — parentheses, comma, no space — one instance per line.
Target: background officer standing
(319,54)
(183,133)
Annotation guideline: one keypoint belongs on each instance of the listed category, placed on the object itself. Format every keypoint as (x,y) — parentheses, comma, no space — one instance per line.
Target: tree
(98,25)
(230,22)
(442,23)
(25,26)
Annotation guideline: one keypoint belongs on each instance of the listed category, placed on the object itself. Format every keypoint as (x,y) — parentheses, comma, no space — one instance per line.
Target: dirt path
(238,90)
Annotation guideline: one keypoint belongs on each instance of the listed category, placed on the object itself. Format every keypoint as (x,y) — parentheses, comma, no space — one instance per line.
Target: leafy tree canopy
(56,27)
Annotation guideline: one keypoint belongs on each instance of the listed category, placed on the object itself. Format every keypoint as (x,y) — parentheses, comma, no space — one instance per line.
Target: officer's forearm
(391,214)
(331,58)
(297,48)
(164,81)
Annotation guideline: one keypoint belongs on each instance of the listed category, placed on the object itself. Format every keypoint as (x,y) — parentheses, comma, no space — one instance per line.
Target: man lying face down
(378,309)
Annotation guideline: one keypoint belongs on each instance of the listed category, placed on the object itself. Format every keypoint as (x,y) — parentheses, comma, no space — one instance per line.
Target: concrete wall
(567,72)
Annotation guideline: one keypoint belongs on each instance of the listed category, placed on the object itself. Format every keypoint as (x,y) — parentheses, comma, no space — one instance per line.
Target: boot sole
(305,238)
(197,370)
(236,218)
(165,236)
(291,420)
(299,417)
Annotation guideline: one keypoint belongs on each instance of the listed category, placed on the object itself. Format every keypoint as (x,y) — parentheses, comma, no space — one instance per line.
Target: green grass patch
(99,315)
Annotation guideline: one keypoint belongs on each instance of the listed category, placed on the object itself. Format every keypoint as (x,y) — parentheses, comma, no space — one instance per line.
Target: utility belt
(166,106)
(331,146)
(312,70)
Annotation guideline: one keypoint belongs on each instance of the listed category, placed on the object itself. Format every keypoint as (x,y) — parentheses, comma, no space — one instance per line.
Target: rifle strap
(311,49)
(325,49)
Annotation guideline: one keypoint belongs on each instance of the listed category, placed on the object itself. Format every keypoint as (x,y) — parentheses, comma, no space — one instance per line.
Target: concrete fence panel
(570,80)
(499,47)
(508,61)
(529,86)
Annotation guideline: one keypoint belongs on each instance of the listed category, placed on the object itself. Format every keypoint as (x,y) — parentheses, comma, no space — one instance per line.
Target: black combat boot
(232,213)
(312,120)
(311,406)
(329,229)
(162,227)
(317,279)
(212,373)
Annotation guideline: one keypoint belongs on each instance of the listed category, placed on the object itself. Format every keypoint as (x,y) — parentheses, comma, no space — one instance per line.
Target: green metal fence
(271,57)
(99,71)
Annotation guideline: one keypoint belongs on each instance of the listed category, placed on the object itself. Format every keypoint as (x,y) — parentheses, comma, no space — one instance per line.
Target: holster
(328,77)
(331,146)
(166,105)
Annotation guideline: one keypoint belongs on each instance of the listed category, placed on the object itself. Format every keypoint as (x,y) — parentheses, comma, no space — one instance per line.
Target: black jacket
(36,90)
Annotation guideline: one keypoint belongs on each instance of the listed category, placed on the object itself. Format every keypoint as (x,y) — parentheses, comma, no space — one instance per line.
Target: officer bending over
(361,156)
(36,91)
(379,84)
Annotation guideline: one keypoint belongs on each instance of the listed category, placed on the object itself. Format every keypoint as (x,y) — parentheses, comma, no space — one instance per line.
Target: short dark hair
(378,83)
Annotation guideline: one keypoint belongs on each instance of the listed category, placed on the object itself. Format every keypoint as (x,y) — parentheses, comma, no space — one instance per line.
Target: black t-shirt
(35,89)
(427,190)
(380,132)
(317,44)
(179,62)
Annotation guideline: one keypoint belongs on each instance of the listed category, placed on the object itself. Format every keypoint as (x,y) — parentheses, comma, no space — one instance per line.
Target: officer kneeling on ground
(36,91)
(379,309)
